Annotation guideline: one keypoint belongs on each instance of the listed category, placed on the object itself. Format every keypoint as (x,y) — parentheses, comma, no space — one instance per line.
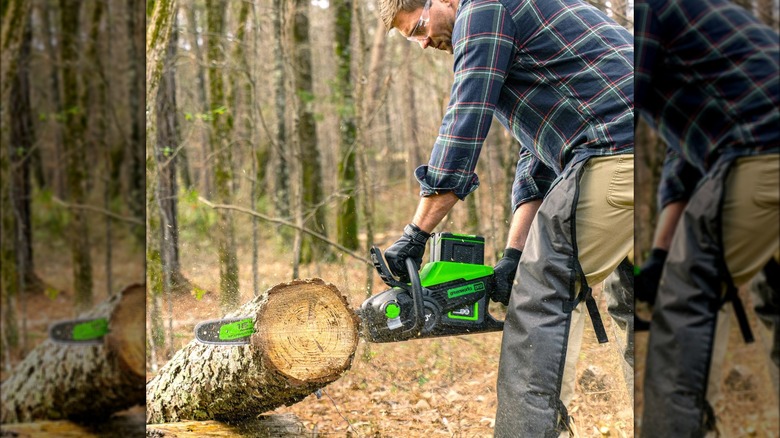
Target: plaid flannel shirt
(707,80)
(558,74)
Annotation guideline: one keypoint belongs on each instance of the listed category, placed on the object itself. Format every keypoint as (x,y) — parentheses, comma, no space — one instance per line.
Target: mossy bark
(346,219)
(311,169)
(221,148)
(75,153)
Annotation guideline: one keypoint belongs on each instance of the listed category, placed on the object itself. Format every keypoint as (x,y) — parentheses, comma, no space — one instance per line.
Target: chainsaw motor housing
(454,290)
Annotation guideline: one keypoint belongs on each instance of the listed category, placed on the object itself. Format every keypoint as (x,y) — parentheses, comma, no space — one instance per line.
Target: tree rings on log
(307,331)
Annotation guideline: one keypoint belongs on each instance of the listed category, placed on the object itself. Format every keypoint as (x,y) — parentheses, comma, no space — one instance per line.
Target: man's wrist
(512,253)
(416,233)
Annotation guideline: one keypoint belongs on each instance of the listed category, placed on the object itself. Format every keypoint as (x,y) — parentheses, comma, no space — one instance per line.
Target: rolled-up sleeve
(532,179)
(484,47)
(678,179)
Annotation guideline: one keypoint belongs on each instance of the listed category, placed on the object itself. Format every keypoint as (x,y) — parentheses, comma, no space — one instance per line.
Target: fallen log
(264,426)
(128,423)
(58,381)
(305,336)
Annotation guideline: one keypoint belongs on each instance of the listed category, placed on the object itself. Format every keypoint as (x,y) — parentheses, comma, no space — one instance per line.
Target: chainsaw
(448,297)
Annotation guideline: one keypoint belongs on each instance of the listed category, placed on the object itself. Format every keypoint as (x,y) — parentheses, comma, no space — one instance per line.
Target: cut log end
(128,325)
(304,333)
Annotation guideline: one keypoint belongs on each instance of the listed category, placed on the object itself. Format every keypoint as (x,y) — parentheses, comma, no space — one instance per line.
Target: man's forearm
(667,223)
(521,224)
(432,209)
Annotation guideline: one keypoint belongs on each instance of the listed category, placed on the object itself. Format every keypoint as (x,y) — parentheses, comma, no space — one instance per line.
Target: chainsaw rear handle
(415,287)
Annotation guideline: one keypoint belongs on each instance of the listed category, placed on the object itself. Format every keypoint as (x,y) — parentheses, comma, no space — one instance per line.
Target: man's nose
(425,43)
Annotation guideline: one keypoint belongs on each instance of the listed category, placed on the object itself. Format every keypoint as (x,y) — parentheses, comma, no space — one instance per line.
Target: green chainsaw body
(446,298)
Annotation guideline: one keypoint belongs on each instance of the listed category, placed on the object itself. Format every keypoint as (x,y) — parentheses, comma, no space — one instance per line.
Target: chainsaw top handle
(416,289)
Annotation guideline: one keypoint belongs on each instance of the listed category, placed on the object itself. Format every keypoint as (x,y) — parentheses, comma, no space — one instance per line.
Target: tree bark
(311,169)
(57,381)
(346,219)
(75,159)
(281,151)
(20,148)
(135,151)
(167,153)
(281,426)
(305,337)
(197,39)
(222,128)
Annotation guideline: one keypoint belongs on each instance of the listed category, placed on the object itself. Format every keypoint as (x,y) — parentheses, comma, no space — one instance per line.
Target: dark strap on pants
(739,311)
(564,422)
(593,311)
(585,293)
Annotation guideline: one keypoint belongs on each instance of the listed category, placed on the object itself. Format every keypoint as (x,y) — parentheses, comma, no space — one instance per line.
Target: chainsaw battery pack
(462,248)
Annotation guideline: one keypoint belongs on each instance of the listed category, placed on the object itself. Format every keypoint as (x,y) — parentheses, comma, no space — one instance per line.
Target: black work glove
(647,279)
(410,245)
(504,274)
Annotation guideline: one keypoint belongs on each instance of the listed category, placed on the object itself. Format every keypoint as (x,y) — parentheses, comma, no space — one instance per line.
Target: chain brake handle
(414,288)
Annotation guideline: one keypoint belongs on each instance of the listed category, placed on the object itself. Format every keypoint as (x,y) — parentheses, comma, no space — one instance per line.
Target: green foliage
(51,293)
(47,216)
(306,96)
(208,116)
(199,292)
(195,219)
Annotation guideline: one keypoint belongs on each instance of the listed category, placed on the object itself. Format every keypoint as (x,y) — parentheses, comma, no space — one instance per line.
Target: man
(558,74)
(707,80)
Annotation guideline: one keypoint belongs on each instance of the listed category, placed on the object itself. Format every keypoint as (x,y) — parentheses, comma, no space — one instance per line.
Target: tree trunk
(222,126)
(157,33)
(75,160)
(167,153)
(196,42)
(20,150)
(58,177)
(346,219)
(281,151)
(135,151)
(57,381)
(280,426)
(305,338)
(311,169)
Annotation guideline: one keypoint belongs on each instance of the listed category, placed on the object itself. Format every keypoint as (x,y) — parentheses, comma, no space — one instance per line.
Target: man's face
(431,24)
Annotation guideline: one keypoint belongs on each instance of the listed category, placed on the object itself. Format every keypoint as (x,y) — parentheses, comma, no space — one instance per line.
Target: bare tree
(306,130)
(75,153)
(221,149)
(346,219)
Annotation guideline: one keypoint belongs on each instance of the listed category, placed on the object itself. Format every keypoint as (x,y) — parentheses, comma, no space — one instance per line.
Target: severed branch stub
(305,336)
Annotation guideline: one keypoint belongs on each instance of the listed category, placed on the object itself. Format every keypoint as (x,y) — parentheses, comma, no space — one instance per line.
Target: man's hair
(388,9)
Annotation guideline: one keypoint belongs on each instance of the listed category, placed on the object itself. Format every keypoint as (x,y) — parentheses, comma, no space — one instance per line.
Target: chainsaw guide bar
(229,331)
(79,332)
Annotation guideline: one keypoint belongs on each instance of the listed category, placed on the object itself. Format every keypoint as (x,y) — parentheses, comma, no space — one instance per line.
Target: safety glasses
(420,31)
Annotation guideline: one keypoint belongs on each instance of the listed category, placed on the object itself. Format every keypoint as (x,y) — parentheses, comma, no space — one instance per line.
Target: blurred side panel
(708,221)
(73,217)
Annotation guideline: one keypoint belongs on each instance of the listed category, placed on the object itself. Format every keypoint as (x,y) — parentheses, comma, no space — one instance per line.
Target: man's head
(428,22)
